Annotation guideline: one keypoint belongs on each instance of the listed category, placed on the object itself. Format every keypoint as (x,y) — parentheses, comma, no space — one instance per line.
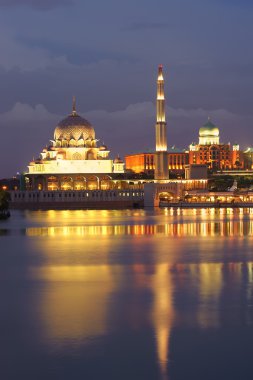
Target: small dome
(103,147)
(118,160)
(209,129)
(74,127)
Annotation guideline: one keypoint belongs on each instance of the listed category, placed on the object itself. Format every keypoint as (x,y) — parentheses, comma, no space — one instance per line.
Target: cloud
(131,115)
(75,53)
(147,25)
(239,3)
(44,5)
(147,110)
(24,112)
(26,58)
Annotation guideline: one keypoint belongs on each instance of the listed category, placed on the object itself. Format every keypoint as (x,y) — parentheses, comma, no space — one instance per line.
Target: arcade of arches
(79,182)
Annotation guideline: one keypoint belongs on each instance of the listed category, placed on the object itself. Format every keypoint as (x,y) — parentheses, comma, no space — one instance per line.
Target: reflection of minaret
(161,155)
(163,315)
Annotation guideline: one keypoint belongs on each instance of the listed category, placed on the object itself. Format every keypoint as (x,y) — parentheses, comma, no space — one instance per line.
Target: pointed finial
(74,106)
(160,72)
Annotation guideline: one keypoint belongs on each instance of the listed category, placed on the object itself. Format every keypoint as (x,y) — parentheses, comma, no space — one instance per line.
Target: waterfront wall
(103,199)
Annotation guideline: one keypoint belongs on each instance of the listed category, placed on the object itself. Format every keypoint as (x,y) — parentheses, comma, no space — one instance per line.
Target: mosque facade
(74,159)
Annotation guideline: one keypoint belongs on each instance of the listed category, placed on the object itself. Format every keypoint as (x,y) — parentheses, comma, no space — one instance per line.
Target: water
(126,295)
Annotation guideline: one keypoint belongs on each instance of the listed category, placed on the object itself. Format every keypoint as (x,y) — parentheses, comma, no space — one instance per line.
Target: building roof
(249,150)
(74,127)
(209,129)
(172,149)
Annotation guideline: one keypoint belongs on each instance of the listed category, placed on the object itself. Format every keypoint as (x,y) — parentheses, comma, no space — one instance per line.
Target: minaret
(161,155)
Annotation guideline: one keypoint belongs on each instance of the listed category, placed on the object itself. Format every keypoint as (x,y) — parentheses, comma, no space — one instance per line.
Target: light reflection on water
(201,229)
(115,294)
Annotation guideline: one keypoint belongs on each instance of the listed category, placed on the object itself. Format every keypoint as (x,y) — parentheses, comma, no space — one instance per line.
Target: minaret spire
(74,106)
(161,167)
(160,102)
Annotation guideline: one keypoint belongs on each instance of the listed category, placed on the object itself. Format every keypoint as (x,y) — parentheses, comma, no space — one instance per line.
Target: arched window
(76,156)
(92,183)
(90,155)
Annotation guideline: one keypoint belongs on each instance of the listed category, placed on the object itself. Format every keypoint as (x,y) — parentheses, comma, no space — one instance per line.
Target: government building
(208,151)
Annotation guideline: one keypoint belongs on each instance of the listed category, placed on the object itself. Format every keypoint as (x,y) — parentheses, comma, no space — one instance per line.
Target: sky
(106,53)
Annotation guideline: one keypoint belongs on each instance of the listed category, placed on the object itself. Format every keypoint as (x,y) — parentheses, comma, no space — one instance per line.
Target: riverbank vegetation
(4,204)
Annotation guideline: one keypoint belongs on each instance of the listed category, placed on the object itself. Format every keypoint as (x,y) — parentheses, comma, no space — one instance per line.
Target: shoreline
(193,205)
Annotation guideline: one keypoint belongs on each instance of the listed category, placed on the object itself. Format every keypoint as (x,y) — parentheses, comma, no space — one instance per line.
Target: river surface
(127,295)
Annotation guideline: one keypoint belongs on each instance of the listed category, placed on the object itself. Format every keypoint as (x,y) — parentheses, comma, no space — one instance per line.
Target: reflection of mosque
(86,298)
(76,309)
(222,222)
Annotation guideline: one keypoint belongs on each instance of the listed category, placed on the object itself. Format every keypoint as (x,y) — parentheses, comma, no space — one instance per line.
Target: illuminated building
(163,159)
(9,183)
(145,162)
(209,151)
(248,158)
(161,155)
(73,161)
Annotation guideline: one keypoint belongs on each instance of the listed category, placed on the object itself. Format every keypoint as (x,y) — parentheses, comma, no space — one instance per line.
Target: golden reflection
(210,287)
(73,305)
(162,314)
(227,228)
(77,299)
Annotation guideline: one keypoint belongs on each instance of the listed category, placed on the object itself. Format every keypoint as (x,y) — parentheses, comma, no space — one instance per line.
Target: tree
(4,204)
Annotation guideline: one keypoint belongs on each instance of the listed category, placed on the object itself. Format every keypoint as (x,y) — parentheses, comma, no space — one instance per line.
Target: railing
(76,196)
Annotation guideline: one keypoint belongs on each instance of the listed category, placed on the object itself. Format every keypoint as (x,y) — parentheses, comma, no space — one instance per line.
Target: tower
(161,155)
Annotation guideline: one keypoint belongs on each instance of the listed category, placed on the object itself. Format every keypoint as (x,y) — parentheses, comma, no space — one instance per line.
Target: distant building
(145,162)
(9,184)
(248,158)
(216,155)
(209,151)
(195,171)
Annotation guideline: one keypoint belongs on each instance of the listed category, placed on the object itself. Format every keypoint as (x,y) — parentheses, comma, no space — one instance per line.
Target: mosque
(74,160)
(76,171)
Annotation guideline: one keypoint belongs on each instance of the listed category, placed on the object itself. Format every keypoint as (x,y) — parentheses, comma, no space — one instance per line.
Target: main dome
(74,127)
(209,129)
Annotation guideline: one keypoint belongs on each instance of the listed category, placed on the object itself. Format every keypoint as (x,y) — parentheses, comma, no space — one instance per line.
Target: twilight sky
(106,53)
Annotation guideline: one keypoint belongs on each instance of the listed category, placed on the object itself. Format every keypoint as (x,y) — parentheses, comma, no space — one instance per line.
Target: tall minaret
(161,155)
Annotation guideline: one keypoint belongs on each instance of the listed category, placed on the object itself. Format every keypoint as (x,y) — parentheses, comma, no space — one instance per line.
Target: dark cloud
(78,55)
(146,25)
(36,4)
(239,3)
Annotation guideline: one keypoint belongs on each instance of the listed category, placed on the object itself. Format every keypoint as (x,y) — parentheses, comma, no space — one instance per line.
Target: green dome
(209,129)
